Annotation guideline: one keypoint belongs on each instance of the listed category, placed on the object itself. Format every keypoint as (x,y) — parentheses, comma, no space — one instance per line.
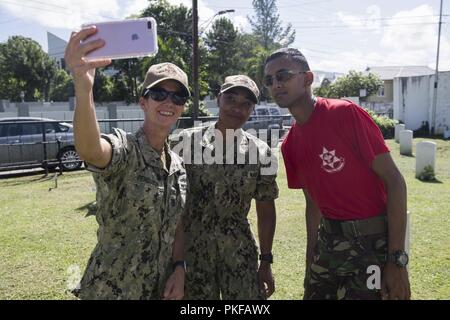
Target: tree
(189,111)
(267,25)
(350,84)
(255,69)
(24,66)
(61,87)
(174,45)
(175,40)
(324,89)
(130,70)
(221,59)
(103,87)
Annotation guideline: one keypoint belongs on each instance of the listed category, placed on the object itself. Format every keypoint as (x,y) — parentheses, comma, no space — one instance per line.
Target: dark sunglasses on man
(281,76)
(160,94)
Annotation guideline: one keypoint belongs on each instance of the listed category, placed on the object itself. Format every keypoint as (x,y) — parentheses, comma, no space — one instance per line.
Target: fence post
(2,105)
(112,114)
(72,102)
(23,110)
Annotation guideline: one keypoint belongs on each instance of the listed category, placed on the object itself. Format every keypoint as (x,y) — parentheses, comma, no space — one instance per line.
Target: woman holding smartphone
(141,185)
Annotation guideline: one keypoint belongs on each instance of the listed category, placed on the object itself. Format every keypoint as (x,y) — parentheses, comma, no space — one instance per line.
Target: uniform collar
(153,158)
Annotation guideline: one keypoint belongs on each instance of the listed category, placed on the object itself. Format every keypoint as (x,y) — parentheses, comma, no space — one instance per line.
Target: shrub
(427,174)
(386,125)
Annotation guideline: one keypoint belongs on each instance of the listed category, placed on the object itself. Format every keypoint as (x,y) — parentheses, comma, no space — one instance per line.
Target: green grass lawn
(44,233)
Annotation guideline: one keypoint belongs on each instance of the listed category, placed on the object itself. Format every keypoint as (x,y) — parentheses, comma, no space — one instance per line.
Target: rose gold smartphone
(124,39)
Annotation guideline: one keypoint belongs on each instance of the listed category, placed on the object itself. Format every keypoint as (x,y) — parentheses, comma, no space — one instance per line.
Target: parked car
(27,142)
(265,117)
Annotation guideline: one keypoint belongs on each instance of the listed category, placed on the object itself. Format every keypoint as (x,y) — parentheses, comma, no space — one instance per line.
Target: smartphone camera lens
(149,24)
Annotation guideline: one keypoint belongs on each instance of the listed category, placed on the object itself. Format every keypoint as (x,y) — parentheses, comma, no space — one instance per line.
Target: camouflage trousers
(230,276)
(339,270)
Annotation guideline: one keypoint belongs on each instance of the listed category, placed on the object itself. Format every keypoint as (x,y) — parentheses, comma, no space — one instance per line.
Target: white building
(413,101)
(56,49)
(320,76)
(383,100)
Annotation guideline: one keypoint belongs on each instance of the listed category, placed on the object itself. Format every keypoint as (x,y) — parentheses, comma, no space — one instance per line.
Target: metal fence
(50,143)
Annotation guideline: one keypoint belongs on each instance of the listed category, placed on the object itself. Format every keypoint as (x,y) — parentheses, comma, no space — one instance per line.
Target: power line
(362,26)
(9,21)
(370,19)
(64,12)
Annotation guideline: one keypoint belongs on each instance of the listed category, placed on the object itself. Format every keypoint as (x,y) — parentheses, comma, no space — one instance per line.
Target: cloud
(204,13)
(71,14)
(411,39)
(66,14)
(241,23)
(367,22)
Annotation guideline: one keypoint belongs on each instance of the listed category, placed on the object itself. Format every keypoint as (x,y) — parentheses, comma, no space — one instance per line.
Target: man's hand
(175,285)
(395,283)
(266,280)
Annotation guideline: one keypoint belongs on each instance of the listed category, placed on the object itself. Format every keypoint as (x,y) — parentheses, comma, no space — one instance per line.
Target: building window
(380,92)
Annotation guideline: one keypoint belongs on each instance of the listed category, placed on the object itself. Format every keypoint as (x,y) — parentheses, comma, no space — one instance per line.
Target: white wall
(443,103)
(413,99)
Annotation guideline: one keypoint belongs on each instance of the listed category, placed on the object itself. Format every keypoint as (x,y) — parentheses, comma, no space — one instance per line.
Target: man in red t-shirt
(355,195)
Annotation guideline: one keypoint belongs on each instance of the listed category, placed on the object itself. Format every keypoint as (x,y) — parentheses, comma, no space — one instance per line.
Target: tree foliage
(24,66)
(223,51)
(267,26)
(349,86)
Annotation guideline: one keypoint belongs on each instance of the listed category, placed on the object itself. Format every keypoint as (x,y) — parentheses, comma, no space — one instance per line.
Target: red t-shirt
(331,157)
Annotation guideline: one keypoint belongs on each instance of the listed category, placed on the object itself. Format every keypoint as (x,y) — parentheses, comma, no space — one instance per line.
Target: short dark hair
(291,53)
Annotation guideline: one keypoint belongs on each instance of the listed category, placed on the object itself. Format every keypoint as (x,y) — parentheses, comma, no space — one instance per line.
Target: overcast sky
(335,35)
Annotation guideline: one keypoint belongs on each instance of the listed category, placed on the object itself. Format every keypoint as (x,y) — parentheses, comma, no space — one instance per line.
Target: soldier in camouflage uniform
(141,187)
(221,252)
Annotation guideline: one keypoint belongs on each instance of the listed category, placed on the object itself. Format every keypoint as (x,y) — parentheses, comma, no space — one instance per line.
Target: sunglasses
(160,94)
(281,76)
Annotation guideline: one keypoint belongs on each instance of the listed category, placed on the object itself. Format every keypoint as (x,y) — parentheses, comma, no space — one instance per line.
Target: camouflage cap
(242,82)
(166,71)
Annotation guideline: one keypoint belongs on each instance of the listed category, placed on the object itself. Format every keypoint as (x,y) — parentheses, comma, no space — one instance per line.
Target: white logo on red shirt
(330,162)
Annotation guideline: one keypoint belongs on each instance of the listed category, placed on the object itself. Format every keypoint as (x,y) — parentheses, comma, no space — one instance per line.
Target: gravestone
(425,156)
(398,128)
(406,141)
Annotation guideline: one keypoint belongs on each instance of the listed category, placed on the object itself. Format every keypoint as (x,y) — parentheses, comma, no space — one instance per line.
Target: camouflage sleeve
(266,184)
(120,149)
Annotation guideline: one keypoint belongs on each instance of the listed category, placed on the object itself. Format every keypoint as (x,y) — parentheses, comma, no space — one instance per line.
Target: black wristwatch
(179,263)
(399,257)
(266,257)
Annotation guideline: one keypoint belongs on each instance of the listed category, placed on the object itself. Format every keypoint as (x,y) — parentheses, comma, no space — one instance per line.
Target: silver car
(27,142)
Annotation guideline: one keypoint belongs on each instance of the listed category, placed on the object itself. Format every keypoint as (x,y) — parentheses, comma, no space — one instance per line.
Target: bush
(386,125)
(427,174)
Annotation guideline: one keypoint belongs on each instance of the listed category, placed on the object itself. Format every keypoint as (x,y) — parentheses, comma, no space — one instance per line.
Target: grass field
(43,233)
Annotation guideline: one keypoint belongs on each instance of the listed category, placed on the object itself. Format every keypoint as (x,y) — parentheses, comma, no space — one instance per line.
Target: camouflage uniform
(221,252)
(341,258)
(139,205)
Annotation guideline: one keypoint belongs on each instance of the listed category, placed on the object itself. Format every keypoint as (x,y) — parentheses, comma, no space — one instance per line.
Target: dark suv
(27,142)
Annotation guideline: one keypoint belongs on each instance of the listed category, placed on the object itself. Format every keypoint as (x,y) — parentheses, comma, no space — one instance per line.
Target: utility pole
(195,60)
(195,55)
(436,77)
